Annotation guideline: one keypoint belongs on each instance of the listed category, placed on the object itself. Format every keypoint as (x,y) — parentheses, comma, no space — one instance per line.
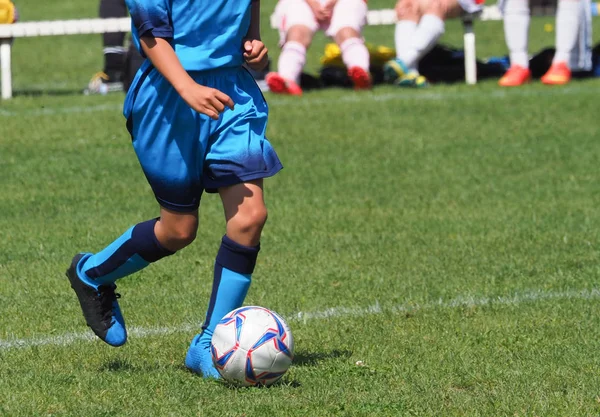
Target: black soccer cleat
(100,307)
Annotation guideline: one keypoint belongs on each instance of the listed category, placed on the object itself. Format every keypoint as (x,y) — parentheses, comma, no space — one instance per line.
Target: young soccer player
(197,121)
(573,41)
(419,27)
(299,20)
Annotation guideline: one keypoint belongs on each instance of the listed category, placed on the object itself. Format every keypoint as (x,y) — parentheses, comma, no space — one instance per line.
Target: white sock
(291,61)
(355,53)
(403,36)
(516,31)
(428,32)
(567,29)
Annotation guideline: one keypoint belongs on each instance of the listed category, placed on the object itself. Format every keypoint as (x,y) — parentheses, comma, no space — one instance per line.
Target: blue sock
(134,250)
(233,270)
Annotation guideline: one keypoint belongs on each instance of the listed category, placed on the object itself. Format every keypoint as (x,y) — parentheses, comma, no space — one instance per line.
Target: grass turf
(453,231)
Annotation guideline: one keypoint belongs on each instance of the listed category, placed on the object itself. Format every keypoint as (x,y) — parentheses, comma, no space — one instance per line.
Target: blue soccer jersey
(206,34)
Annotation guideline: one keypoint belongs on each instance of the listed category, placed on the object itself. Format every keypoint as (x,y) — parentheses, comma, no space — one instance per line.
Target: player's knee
(452,9)
(346,33)
(437,8)
(300,34)
(182,236)
(252,221)
(407,10)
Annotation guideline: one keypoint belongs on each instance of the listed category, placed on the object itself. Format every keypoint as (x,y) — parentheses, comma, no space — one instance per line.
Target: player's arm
(206,100)
(152,22)
(255,51)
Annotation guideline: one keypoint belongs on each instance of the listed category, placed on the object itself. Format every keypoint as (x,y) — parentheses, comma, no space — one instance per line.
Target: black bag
(441,64)
(446,64)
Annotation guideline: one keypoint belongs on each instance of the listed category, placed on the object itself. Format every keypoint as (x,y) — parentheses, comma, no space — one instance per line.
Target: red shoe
(558,74)
(280,85)
(515,76)
(360,78)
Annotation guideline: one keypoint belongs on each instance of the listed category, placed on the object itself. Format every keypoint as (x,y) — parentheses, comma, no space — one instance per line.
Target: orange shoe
(558,74)
(280,85)
(515,76)
(360,78)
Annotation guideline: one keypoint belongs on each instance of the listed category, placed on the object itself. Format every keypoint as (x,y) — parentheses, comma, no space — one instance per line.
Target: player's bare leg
(245,215)
(355,56)
(245,212)
(176,230)
(291,61)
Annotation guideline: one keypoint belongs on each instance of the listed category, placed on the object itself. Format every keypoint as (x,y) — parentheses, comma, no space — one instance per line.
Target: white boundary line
(519,298)
(350,97)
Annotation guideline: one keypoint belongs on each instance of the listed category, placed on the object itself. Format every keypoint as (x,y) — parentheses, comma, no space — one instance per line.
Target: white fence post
(5,64)
(470,56)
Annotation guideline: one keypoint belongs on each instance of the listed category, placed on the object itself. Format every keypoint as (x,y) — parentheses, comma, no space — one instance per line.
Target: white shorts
(581,58)
(346,13)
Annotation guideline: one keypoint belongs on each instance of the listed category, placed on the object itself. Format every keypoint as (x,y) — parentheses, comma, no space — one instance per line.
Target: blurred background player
(573,41)
(419,27)
(111,77)
(298,20)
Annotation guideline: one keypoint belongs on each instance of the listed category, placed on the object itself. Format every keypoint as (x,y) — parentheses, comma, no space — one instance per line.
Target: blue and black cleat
(99,306)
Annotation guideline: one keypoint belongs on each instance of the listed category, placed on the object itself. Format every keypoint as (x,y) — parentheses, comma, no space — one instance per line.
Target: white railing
(49,28)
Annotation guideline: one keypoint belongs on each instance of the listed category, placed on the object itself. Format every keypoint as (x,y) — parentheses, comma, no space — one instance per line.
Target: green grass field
(447,238)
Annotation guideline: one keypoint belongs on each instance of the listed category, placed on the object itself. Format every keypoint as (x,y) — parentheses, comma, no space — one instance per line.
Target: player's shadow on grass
(125,365)
(301,359)
(117,365)
(315,359)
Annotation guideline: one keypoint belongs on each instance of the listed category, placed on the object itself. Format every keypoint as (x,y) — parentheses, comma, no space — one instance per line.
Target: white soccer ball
(252,346)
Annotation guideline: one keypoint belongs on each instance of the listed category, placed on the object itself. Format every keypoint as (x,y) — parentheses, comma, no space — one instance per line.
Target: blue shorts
(183,152)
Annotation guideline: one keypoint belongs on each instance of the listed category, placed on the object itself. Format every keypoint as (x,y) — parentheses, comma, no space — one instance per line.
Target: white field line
(350,97)
(533,296)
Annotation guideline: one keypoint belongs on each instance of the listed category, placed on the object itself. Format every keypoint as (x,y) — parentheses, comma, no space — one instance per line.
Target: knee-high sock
(291,61)
(233,270)
(429,30)
(114,50)
(355,53)
(403,37)
(516,31)
(132,251)
(568,18)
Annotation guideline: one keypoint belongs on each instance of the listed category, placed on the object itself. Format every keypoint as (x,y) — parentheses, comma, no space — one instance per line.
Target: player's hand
(255,54)
(206,100)
(322,14)
(328,8)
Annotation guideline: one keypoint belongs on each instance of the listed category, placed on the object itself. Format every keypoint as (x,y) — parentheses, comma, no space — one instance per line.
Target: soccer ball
(252,346)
